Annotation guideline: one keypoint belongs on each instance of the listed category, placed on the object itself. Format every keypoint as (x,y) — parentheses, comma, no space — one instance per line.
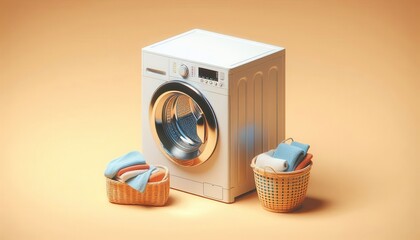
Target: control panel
(208,76)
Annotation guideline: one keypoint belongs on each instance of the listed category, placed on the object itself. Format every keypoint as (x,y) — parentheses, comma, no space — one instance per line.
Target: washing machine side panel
(256,117)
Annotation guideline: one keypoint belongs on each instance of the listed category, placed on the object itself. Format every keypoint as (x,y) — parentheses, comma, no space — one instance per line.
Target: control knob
(183,71)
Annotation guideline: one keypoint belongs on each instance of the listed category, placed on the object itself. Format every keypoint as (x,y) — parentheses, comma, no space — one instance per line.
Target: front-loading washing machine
(210,103)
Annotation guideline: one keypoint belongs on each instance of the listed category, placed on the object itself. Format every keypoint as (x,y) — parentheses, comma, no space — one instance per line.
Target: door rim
(160,97)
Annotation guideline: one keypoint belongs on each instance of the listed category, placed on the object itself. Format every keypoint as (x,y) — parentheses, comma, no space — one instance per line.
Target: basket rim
(263,171)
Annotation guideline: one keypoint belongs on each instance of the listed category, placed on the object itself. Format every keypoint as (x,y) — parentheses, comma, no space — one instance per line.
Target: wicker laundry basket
(155,194)
(281,192)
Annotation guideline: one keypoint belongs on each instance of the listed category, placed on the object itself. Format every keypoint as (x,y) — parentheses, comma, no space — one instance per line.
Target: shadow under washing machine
(210,103)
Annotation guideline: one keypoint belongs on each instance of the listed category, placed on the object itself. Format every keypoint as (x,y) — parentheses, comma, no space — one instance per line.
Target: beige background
(70,85)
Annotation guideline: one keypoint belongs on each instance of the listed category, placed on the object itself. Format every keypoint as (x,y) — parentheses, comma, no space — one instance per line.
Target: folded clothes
(292,154)
(157,176)
(131,158)
(267,162)
(305,162)
(130,174)
(140,181)
(303,146)
(131,168)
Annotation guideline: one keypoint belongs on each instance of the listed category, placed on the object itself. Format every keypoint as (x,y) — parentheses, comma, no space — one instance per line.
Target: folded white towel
(269,163)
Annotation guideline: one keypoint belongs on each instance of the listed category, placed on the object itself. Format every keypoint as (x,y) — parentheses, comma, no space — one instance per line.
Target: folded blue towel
(131,158)
(303,146)
(140,181)
(292,154)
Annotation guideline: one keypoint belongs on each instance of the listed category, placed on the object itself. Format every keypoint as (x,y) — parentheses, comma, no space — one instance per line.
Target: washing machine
(210,103)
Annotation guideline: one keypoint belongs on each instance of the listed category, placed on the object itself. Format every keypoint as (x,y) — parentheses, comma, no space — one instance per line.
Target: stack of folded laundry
(133,170)
(286,157)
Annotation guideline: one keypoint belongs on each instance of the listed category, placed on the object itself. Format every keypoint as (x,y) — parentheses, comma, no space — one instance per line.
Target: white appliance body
(210,103)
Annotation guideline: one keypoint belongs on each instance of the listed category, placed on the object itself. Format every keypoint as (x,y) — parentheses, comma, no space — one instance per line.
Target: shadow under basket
(283,191)
(155,194)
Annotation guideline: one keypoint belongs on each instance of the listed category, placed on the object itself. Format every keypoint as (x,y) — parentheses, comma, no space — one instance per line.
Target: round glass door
(183,123)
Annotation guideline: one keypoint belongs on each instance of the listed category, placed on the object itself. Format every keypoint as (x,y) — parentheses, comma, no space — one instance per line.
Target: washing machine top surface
(212,49)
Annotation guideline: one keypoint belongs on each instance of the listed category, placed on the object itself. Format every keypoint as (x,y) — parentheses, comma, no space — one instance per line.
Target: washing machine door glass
(183,123)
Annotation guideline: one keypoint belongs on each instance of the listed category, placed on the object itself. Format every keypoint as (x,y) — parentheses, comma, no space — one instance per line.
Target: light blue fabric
(140,181)
(303,146)
(131,158)
(292,154)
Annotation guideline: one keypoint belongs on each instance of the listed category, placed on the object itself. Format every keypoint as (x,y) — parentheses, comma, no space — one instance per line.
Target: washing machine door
(183,123)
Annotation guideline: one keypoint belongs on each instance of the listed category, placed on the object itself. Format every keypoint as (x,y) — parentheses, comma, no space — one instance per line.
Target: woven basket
(281,192)
(155,194)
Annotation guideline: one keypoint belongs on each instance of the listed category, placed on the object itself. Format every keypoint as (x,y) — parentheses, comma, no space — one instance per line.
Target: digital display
(208,74)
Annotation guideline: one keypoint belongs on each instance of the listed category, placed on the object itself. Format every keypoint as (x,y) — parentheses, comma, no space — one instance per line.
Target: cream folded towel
(133,173)
(130,174)
(269,163)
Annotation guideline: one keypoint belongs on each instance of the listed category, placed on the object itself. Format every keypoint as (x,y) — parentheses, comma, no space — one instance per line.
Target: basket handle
(253,162)
(263,169)
(166,171)
(287,139)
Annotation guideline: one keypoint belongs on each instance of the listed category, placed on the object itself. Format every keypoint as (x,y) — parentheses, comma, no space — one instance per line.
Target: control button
(174,67)
(220,84)
(222,76)
(183,71)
